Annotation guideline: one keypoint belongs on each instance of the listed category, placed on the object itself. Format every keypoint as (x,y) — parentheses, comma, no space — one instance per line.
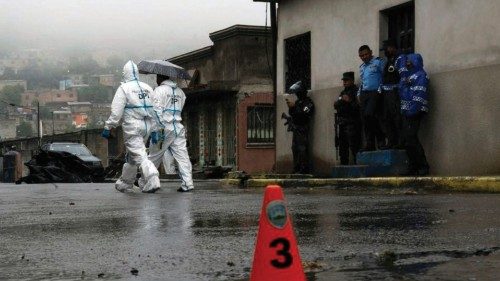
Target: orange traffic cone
(276,254)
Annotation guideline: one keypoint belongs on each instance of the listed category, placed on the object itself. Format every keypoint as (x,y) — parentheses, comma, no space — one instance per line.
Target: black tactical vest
(391,75)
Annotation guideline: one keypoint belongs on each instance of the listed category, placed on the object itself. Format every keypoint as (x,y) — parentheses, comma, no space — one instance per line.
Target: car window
(76,149)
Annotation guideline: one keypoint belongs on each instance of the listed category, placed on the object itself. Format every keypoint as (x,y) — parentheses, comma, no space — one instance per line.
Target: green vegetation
(45,113)
(11,94)
(24,130)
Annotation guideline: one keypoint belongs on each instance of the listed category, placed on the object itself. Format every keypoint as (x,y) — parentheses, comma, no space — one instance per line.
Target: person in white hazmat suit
(132,103)
(168,102)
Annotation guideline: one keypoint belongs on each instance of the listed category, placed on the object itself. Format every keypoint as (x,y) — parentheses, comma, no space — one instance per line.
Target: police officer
(348,119)
(391,117)
(370,73)
(300,111)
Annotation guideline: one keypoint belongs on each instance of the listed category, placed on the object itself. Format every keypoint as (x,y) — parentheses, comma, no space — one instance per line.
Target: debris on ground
(134,271)
(59,167)
(114,168)
(387,258)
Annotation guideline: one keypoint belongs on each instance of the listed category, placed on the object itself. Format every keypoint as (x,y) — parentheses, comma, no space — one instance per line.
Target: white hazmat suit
(167,160)
(132,103)
(168,102)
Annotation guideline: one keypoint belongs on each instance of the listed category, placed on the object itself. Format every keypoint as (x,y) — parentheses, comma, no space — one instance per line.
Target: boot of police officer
(391,116)
(349,119)
(300,111)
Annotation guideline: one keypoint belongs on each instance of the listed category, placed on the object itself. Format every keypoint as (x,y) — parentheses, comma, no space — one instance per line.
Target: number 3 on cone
(287,259)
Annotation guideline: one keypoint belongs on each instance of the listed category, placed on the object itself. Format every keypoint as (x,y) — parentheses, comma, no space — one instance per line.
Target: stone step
(361,171)
(282,176)
(352,171)
(391,157)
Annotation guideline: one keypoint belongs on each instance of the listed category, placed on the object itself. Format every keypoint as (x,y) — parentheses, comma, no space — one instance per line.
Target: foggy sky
(152,28)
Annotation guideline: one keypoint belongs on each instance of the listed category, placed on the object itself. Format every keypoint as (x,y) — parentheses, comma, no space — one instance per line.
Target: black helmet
(297,88)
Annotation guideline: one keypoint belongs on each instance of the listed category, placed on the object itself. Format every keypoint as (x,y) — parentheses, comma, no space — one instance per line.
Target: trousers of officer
(349,139)
(300,151)
(370,102)
(414,149)
(391,116)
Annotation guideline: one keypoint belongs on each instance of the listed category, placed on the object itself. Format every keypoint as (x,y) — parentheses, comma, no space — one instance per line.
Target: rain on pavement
(90,231)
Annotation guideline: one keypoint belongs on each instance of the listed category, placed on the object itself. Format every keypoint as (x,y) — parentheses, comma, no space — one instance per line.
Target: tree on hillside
(9,74)
(11,94)
(45,113)
(83,65)
(114,65)
(46,76)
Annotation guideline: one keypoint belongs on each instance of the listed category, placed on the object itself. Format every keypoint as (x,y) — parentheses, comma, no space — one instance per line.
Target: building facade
(48,96)
(229,112)
(459,43)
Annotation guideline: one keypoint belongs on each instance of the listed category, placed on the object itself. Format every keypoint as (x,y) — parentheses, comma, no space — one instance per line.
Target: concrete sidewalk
(460,184)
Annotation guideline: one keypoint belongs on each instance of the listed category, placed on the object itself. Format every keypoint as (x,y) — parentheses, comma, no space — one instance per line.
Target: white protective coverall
(167,160)
(132,101)
(168,103)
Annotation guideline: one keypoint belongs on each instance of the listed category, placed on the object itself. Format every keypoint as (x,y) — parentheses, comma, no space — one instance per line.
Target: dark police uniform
(349,119)
(391,116)
(301,114)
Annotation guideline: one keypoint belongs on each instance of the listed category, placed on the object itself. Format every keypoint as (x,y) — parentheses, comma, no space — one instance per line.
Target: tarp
(60,167)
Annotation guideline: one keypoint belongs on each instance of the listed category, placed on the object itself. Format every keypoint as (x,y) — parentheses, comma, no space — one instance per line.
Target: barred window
(298,60)
(400,22)
(260,124)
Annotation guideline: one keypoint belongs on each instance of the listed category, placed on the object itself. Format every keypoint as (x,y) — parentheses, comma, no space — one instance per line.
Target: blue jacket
(401,66)
(413,87)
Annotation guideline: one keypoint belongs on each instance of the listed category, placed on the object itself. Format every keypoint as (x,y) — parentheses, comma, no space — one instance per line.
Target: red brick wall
(252,160)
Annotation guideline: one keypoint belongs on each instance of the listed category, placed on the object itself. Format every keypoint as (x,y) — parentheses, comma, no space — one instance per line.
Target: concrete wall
(8,129)
(240,58)
(458,40)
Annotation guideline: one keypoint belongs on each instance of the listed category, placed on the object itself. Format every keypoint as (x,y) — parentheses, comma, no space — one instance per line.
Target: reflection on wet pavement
(210,234)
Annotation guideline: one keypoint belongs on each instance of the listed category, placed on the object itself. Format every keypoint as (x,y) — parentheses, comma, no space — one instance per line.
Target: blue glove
(106,133)
(154,137)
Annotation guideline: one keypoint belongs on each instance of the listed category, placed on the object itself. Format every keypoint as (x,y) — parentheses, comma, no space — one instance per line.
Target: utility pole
(274,35)
(52,124)
(274,32)
(38,122)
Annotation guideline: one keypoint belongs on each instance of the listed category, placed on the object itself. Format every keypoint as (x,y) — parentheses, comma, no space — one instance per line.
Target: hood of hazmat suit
(132,105)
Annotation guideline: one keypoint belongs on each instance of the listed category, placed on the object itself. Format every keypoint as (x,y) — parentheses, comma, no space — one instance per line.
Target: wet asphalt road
(90,231)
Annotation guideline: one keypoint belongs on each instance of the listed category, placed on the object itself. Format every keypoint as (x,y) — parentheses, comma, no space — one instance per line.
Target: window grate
(401,25)
(260,124)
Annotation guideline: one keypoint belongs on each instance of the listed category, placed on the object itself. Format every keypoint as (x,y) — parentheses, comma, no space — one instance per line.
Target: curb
(458,184)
